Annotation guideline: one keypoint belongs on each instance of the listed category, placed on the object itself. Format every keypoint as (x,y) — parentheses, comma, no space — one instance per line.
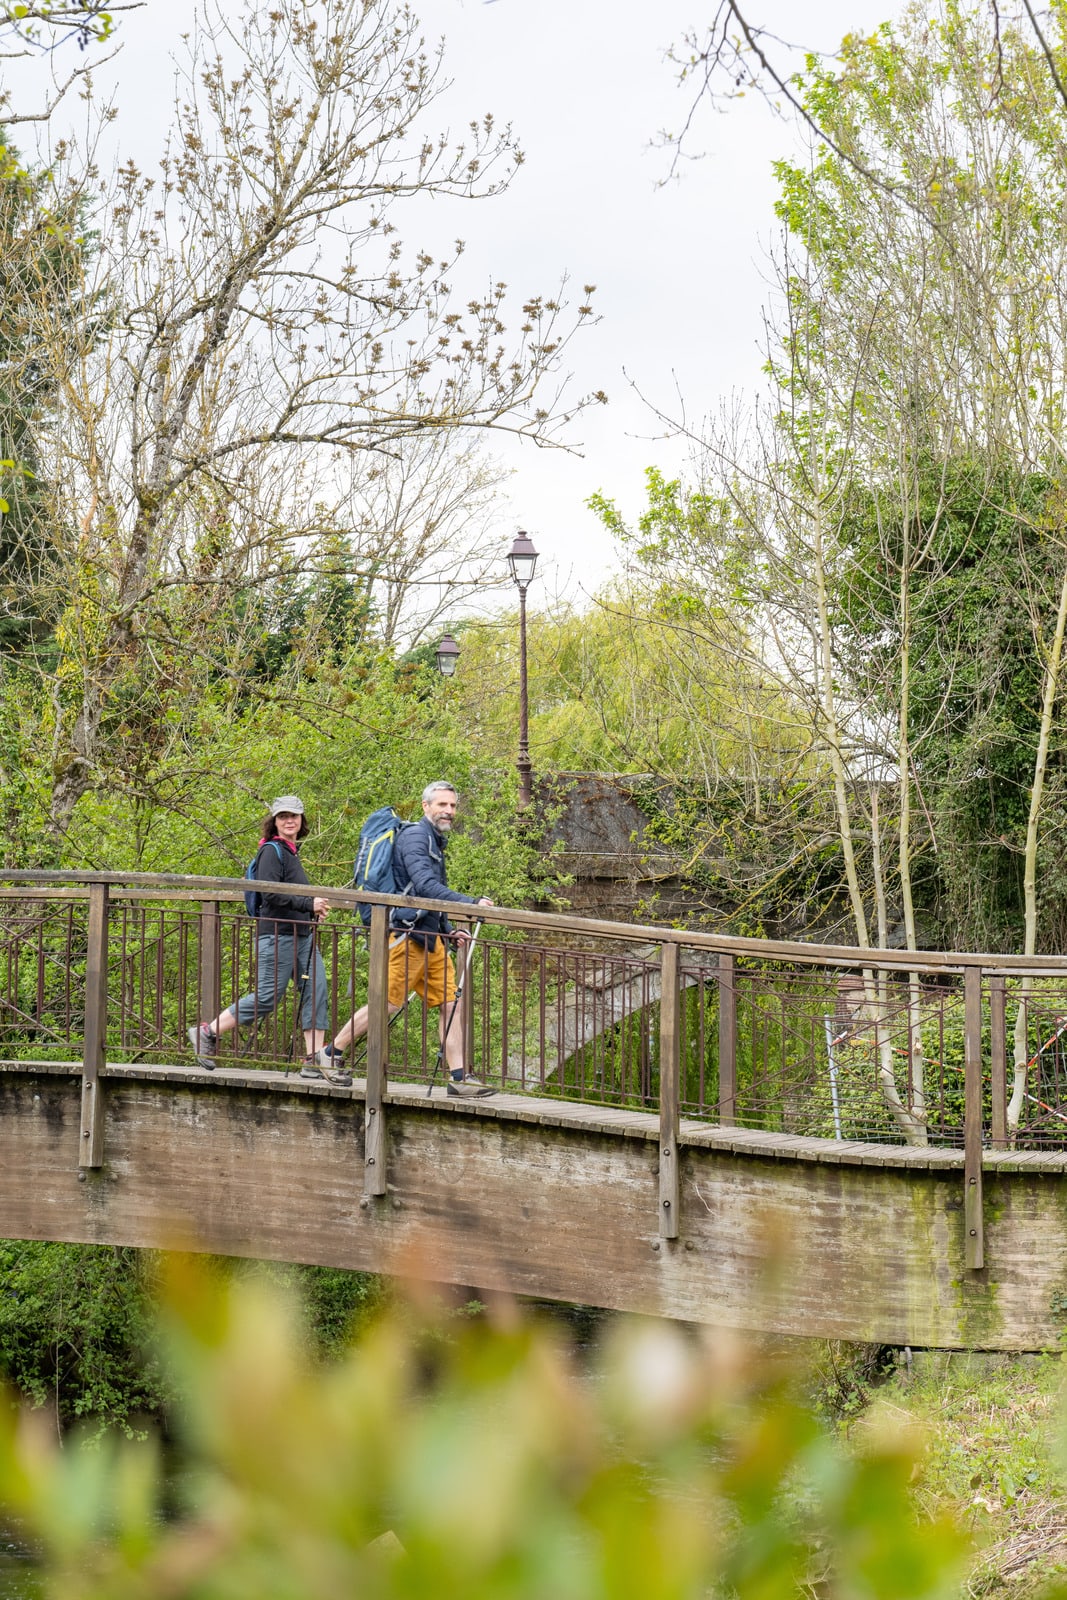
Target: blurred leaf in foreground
(473,1460)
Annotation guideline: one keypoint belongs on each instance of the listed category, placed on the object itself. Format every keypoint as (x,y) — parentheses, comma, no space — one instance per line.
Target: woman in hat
(286,947)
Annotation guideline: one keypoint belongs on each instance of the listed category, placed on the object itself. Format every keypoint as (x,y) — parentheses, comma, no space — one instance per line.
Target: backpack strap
(278,851)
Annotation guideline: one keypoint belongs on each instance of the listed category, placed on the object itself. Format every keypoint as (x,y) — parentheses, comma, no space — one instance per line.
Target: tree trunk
(1052,683)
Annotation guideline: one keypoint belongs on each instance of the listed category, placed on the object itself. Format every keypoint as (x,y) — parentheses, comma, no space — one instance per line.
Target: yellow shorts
(428,972)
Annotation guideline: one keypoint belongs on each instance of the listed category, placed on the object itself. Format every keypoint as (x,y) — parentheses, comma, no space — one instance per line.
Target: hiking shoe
(466,1087)
(332,1068)
(204,1044)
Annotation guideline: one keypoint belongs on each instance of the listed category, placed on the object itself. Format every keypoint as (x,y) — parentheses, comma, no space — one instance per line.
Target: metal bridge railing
(824,1042)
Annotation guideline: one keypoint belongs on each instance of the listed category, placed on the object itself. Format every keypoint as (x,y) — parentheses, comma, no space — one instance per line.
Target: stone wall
(599,839)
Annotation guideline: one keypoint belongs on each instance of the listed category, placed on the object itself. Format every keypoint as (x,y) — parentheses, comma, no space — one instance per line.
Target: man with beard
(418,959)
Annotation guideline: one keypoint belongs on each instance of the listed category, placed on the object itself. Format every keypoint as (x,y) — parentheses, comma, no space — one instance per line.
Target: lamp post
(522,559)
(447,656)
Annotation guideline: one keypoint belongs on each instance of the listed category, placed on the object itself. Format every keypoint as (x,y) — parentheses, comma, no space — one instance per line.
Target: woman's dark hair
(270,828)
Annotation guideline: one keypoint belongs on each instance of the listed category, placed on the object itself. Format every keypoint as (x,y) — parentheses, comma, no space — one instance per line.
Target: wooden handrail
(158,885)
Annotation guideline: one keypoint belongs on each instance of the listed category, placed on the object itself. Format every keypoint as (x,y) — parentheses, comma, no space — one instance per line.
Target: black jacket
(420,852)
(282,913)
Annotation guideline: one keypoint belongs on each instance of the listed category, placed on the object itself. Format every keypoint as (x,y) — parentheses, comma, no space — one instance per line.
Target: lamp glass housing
(522,559)
(448,653)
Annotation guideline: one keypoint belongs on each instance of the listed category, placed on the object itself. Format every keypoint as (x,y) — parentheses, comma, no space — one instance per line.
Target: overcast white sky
(680,269)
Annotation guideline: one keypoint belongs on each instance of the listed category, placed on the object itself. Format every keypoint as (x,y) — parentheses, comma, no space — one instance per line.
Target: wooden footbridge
(784,1137)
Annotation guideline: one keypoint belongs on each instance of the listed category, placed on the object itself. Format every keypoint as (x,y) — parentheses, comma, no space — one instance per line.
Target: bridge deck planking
(550,1198)
(584,1116)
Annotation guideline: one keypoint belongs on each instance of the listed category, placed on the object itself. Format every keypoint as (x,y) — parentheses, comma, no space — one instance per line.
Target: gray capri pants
(281,959)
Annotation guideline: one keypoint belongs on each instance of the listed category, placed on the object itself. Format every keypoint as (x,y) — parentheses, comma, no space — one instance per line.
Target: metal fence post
(374,1177)
(670,1034)
(974,1244)
(727,1041)
(94,1038)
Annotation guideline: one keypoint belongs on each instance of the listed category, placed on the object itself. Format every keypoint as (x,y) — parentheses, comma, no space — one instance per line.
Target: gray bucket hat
(287,802)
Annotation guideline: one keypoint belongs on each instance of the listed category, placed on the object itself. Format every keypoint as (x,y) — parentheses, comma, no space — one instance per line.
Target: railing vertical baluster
(210,961)
(374,1176)
(974,1245)
(998,1060)
(727,1042)
(669,1089)
(94,1038)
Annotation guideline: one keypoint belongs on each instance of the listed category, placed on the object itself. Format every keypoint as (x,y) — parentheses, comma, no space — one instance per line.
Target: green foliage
(74,1332)
(347,739)
(466,1459)
(77,1327)
(975,681)
(639,682)
(335,1303)
(887,538)
(992,1459)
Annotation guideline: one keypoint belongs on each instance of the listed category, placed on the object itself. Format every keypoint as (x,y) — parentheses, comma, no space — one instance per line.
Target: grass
(994,1436)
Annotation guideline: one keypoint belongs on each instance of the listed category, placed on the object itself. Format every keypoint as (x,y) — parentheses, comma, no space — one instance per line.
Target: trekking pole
(302,981)
(456,998)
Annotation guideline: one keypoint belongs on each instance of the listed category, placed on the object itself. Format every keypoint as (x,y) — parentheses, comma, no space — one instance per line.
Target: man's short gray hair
(434,788)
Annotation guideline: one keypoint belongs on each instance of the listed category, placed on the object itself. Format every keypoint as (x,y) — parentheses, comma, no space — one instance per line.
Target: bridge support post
(94,1039)
(998,1060)
(210,959)
(374,1175)
(974,1244)
(670,1033)
(727,1041)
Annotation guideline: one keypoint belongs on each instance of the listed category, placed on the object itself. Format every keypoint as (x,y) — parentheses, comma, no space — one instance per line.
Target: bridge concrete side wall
(545,1199)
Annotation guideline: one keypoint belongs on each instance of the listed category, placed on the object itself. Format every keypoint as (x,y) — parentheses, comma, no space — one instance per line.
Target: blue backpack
(253,898)
(376,865)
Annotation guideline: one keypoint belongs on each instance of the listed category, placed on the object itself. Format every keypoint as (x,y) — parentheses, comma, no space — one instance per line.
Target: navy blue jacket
(420,852)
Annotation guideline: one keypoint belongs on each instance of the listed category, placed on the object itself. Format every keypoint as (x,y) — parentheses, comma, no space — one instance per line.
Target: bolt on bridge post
(94,1039)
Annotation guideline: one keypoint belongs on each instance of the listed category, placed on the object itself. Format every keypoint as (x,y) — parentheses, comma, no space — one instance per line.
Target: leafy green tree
(974,692)
(348,738)
(77,1325)
(922,335)
(74,1333)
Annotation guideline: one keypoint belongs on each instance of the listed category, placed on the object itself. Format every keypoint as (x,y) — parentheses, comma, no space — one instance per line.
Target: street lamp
(522,559)
(447,656)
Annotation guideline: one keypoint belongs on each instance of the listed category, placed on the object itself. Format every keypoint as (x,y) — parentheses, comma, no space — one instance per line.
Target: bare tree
(425,534)
(267,343)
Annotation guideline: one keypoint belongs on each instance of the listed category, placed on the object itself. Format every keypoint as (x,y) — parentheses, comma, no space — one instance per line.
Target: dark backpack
(253,898)
(377,867)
